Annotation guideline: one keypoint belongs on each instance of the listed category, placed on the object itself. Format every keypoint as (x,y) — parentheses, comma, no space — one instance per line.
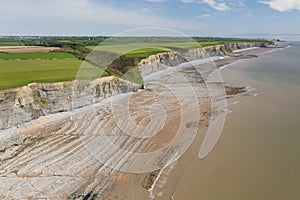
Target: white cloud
(217,5)
(187,1)
(202,16)
(283,5)
(156,1)
(237,3)
(145,10)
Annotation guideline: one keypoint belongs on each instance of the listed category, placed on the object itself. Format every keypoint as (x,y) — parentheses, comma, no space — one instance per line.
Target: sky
(190,17)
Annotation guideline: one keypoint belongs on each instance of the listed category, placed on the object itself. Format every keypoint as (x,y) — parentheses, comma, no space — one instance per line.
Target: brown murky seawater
(258,154)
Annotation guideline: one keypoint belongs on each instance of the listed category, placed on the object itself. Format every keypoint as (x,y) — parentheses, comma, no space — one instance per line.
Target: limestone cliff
(161,61)
(39,99)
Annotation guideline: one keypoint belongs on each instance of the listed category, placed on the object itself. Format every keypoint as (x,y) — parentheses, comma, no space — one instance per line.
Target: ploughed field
(25,49)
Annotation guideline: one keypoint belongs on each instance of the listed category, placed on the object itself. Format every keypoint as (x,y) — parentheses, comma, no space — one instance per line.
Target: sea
(258,154)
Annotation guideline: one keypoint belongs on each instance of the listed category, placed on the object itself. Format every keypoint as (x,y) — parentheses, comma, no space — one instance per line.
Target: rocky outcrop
(245,45)
(39,99)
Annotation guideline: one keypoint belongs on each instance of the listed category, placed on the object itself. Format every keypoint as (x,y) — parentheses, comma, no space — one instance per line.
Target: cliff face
(39,99)
(243,45)
(161,61)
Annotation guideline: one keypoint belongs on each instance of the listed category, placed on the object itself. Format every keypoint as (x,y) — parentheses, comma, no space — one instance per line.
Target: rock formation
(40,99)
(161,61)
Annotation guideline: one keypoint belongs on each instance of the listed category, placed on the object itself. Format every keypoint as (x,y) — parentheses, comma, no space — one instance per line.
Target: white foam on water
(250,89)
(171,165)
(274,50)
(246,49)
(228,111)
(225,66)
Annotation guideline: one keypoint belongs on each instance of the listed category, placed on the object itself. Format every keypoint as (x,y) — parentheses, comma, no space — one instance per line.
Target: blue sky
(191,17)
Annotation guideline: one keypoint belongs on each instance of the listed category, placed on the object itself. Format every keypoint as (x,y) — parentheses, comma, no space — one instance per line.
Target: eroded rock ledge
(39,99)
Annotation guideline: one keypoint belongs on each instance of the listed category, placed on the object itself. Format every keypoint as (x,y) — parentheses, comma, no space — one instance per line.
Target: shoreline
(198,171)
(178,169)
(248,53)
(192,154)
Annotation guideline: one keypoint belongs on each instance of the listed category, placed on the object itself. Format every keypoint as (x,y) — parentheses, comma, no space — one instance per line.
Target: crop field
(16,73)
(36,55)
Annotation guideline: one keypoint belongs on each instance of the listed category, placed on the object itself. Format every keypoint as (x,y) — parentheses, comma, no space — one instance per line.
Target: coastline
(245,54)
(248,161)
(172,175)
(119,176)
(188,158)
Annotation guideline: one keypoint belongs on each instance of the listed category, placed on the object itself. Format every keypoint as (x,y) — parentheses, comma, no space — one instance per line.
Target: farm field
(36,55)
(25,49)
(16,73)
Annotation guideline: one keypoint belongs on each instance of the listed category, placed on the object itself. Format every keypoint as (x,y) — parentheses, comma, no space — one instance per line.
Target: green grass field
(145,52)
(145,49)
(16,73)
(36,55)
(19,69)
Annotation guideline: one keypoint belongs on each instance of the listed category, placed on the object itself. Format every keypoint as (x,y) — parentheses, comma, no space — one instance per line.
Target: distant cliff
(161,61)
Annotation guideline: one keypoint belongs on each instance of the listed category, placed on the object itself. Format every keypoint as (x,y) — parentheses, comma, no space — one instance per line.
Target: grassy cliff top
(18,69)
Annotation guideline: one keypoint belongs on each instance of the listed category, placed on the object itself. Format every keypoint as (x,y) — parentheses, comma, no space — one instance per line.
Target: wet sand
(257,156)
